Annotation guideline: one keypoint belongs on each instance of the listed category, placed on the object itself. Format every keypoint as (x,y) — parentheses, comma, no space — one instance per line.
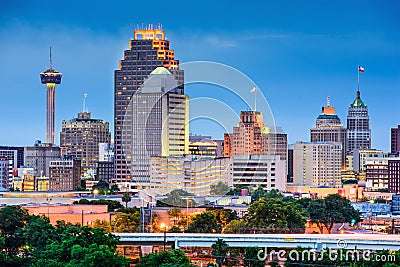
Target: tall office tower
(394,175)
(148,50)
(328,128)
(358,131)
(65,175)
(158,125)
(14,153)
(50,77)
(317,164)
(82,136)
(362,156)
(252,137)
(377,173)
(395,140)
(39,156)
(5,173)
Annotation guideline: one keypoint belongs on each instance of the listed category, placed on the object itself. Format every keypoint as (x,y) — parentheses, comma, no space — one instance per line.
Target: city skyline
(277,53)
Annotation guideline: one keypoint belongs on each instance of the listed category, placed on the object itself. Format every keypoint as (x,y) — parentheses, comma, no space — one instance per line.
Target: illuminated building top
(51,75)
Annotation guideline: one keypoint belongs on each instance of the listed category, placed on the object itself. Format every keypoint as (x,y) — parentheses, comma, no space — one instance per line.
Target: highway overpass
(314,241)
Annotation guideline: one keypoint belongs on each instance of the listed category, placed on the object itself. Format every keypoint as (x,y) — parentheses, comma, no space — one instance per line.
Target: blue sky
(297,52)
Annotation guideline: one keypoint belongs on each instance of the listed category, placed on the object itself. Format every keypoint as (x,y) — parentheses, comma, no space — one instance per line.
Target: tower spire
(51,60)
(84,102)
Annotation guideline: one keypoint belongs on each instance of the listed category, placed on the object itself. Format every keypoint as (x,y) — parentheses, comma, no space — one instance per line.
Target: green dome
(358,102)
(160,70)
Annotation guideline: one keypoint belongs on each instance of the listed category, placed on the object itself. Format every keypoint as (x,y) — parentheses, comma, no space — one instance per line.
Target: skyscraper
(317,164)
(395,140)
(328,128)
(358,131)
(50,77)
(81,137)
(159,124)
(252,137)
(148,50)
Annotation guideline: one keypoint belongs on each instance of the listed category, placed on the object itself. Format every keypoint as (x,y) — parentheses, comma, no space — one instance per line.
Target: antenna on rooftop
(51,60)
(328,101)
(84,102)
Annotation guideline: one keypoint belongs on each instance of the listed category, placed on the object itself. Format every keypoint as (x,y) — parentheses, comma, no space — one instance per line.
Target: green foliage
(237,190)
(220,250)
(115,188)
(251,257)
(272,215)
(12,220)
(80,188)
(204,223)
(102,187)
(127,222)
(41,244)
(174,229)
(112,204)
(168,258)
(224,216)
(178,198)
(332,209)
(236,227)
(126,198)
(219,189)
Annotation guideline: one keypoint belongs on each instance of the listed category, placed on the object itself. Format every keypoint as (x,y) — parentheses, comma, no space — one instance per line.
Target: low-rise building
(65,175)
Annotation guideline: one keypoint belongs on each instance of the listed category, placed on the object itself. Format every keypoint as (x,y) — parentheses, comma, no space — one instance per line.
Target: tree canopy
(168,258)
(35,242)
(332,209)
(204,223)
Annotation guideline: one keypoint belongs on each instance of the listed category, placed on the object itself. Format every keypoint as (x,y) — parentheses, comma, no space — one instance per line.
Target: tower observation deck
(50,77)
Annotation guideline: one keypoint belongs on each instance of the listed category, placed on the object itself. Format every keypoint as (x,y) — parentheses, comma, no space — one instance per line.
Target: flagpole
(255,101)
(358,72)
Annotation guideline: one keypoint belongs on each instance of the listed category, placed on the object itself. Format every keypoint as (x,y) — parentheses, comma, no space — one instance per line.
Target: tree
(127,222)
(102,187)
(236,227)
(219,251)
(168,258)
(174,229)
(126,198)
(237,190)
(251,257)
(204,223)
(42,244)
(175,214)
(114,188)
(332,209)
(12,220)
(258,193)
(219,189)
(103,224)
(275,216)
(224,216)
(178,198)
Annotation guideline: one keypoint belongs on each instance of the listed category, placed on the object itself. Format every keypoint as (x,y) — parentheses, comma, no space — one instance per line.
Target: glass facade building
(147,50)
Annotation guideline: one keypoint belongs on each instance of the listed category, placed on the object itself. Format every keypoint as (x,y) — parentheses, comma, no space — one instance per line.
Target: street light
(163,225)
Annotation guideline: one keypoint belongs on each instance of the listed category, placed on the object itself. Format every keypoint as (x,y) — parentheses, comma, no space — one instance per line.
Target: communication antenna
(84,102)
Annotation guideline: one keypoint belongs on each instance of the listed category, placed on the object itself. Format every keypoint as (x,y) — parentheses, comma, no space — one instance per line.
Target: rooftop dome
(358,102)
(160,70)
